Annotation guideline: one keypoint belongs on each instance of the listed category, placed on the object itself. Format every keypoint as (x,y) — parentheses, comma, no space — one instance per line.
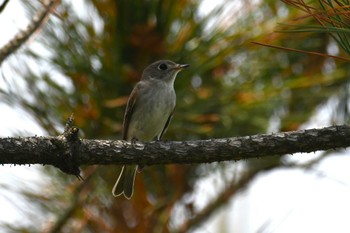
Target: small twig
(3,5)
(302,51)
(69,123)
(34,26)
(70,152)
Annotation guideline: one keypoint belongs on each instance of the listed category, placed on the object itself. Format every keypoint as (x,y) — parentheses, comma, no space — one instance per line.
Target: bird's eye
(162,66)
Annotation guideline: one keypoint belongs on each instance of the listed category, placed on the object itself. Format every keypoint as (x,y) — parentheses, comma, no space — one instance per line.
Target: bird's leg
(133,143)
(159,139)
(140,168)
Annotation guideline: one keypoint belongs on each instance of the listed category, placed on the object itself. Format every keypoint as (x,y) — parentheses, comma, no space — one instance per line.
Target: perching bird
(148,113)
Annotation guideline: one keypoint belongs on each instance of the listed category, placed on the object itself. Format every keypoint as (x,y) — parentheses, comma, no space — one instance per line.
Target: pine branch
(3,5)
(34,26)
(221,201)
(76,203)
(67,151)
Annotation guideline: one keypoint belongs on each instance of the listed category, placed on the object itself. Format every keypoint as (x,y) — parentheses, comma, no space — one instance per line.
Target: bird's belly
(148,123)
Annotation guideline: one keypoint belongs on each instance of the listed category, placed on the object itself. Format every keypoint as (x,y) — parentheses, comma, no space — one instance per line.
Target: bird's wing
(166,125)
(129,110)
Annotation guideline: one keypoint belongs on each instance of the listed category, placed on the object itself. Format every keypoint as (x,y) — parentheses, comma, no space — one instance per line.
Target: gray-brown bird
(148,113)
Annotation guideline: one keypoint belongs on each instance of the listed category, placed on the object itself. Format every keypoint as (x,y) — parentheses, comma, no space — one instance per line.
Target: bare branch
(3,5)
(34,27)
(64,150)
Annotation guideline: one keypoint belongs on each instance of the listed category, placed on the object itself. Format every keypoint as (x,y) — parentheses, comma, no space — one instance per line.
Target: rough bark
(67,151)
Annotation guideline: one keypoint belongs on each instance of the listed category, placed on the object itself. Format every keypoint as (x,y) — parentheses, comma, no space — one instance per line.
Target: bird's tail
(125,182)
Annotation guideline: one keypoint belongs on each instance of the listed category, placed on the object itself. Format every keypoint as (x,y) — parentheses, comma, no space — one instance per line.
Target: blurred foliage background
(88,57)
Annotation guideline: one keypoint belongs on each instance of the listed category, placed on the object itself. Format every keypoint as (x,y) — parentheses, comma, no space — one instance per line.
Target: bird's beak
(181,66)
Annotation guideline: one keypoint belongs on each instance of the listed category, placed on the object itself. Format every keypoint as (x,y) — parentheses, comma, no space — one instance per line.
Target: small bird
(148,113)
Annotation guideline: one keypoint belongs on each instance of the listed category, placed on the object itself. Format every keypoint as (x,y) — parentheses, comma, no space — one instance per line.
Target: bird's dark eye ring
(162,66)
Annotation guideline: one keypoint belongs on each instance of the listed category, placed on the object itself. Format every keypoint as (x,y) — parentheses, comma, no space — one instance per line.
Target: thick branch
(57,150)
